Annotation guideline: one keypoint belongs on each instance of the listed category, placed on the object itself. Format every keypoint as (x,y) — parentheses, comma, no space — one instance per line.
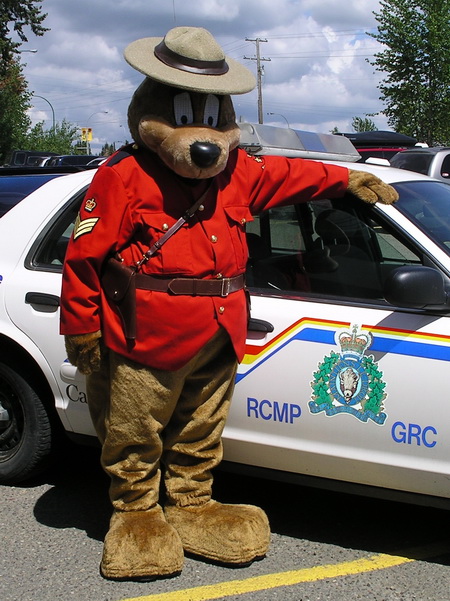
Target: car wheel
(25,429)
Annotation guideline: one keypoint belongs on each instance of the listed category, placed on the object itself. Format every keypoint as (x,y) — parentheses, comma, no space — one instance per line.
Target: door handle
(259,325)
(41,298)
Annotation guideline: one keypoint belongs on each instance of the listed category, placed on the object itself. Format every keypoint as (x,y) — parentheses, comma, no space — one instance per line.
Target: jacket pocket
(175,255)
(238,216)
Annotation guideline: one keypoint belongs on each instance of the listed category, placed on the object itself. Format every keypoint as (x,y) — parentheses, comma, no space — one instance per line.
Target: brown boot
(141,545)
(233,535)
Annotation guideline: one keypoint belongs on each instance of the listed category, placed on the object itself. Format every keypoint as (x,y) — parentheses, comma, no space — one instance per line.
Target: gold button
(201,208)
(243,221)
(219,276)
(221,309)
(165,227)
(213,239)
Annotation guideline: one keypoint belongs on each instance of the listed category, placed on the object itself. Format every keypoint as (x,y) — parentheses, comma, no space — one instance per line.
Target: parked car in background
(27,158)
(97,161)
(433,161)
(70,159)
(345,379)
(379,144)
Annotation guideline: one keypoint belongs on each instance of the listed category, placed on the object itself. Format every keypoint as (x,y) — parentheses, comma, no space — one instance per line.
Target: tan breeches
(146,417)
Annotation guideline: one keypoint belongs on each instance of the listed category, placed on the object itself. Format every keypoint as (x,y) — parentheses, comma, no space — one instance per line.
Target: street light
(97,113)
(50,105)
(280,115)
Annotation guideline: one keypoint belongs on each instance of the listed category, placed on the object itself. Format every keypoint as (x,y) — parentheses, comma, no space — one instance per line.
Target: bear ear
(152,98)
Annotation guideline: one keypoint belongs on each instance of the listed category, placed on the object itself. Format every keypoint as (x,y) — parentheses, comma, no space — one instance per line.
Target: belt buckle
(225,287)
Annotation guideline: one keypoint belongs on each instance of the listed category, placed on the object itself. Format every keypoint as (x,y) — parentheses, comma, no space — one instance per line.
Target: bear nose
(204,154)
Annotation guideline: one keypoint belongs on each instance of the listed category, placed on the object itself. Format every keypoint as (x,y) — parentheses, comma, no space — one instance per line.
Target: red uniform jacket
(132,201)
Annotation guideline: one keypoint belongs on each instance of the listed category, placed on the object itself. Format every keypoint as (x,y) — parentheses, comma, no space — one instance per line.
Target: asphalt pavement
(325,546)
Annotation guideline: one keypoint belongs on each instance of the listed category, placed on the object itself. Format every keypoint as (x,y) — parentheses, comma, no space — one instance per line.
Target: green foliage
(19,14)
(15,15)
(416,60)
(14,102)
(320,386)
(107,150)
(363,124)
(59,139)
(376,389)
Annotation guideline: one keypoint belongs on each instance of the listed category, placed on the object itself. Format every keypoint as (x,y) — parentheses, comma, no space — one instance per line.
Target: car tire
(25,429)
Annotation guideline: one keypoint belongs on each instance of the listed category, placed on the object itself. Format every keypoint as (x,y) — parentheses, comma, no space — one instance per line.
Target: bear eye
(211,114)
(182,108)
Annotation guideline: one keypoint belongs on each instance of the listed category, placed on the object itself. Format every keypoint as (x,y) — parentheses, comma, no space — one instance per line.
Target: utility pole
(259,72)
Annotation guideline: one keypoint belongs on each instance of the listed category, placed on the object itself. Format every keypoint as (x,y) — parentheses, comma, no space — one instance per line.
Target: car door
(336,382)
(33,305)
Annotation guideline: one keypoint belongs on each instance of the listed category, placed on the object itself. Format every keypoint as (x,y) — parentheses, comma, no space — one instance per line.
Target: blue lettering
(252,406)
(265,404)
(294,413)
(428,444)
(280,416)
(398,432)
(268,410)
(413,434)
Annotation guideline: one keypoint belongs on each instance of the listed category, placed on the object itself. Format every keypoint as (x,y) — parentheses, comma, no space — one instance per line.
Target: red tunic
(132,201)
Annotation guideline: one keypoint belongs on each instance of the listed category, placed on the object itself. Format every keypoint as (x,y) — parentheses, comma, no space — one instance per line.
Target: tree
(15,15)
(59,139)
(416,59)
(22,13)
(14,102)
(363,124)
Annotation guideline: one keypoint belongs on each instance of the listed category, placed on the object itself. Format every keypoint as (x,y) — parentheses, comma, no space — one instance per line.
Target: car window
(49,250)
(445,167)
(332,248)
(413,161)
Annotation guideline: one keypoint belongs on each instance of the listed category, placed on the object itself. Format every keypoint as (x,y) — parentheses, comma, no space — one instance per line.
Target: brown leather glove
(370,188)
(83,350)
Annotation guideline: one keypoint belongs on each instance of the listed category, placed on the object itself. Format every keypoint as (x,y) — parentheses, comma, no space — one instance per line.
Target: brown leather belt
(190,286)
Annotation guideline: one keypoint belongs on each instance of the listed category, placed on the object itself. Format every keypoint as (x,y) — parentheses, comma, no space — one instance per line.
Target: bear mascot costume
(163,226)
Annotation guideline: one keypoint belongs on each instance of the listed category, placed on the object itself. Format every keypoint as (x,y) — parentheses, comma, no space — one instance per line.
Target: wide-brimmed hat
(189,58)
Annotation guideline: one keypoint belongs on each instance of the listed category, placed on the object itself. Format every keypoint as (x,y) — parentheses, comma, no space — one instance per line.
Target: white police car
(345,376)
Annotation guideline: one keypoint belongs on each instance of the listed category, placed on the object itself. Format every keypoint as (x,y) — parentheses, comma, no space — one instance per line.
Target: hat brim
(140,55)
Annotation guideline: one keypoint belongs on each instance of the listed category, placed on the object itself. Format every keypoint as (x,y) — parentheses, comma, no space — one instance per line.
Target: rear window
(418,162)
(15,187)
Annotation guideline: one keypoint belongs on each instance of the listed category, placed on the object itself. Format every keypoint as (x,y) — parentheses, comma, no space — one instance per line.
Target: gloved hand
(370,188)
(83,350)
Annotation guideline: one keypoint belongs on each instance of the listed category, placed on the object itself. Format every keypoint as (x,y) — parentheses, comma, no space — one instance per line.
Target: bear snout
(204,154)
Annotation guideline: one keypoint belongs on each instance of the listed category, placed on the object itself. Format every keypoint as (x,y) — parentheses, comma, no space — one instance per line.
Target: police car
(345,378)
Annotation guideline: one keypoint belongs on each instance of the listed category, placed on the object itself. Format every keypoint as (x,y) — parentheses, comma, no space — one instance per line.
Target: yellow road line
(271,581)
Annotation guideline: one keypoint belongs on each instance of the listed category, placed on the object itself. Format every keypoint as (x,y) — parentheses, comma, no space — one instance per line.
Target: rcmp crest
(350,381)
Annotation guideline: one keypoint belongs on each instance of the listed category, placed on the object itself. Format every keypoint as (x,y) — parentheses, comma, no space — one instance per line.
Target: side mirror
(417,287)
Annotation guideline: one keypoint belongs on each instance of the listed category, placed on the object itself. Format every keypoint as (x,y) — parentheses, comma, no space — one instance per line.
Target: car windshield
(427,204)
(13,188)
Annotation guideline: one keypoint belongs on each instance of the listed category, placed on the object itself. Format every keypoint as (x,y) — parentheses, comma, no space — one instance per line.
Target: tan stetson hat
(189,58)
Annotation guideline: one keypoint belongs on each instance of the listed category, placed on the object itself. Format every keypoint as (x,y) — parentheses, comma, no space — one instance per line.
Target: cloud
(317,77)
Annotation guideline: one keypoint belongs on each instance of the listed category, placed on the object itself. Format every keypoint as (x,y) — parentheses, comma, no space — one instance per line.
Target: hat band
(184,63)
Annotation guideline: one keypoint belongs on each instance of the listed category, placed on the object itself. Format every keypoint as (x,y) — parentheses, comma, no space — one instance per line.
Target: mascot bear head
(183,111)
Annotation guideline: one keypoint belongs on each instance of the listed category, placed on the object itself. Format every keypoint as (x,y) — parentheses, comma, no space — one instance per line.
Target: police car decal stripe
(385,340)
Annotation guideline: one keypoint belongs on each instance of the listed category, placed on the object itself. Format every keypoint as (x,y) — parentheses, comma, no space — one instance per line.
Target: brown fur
(152,122)
(370,188)
(141,545)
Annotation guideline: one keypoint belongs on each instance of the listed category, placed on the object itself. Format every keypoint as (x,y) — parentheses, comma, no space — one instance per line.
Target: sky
(316,76)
